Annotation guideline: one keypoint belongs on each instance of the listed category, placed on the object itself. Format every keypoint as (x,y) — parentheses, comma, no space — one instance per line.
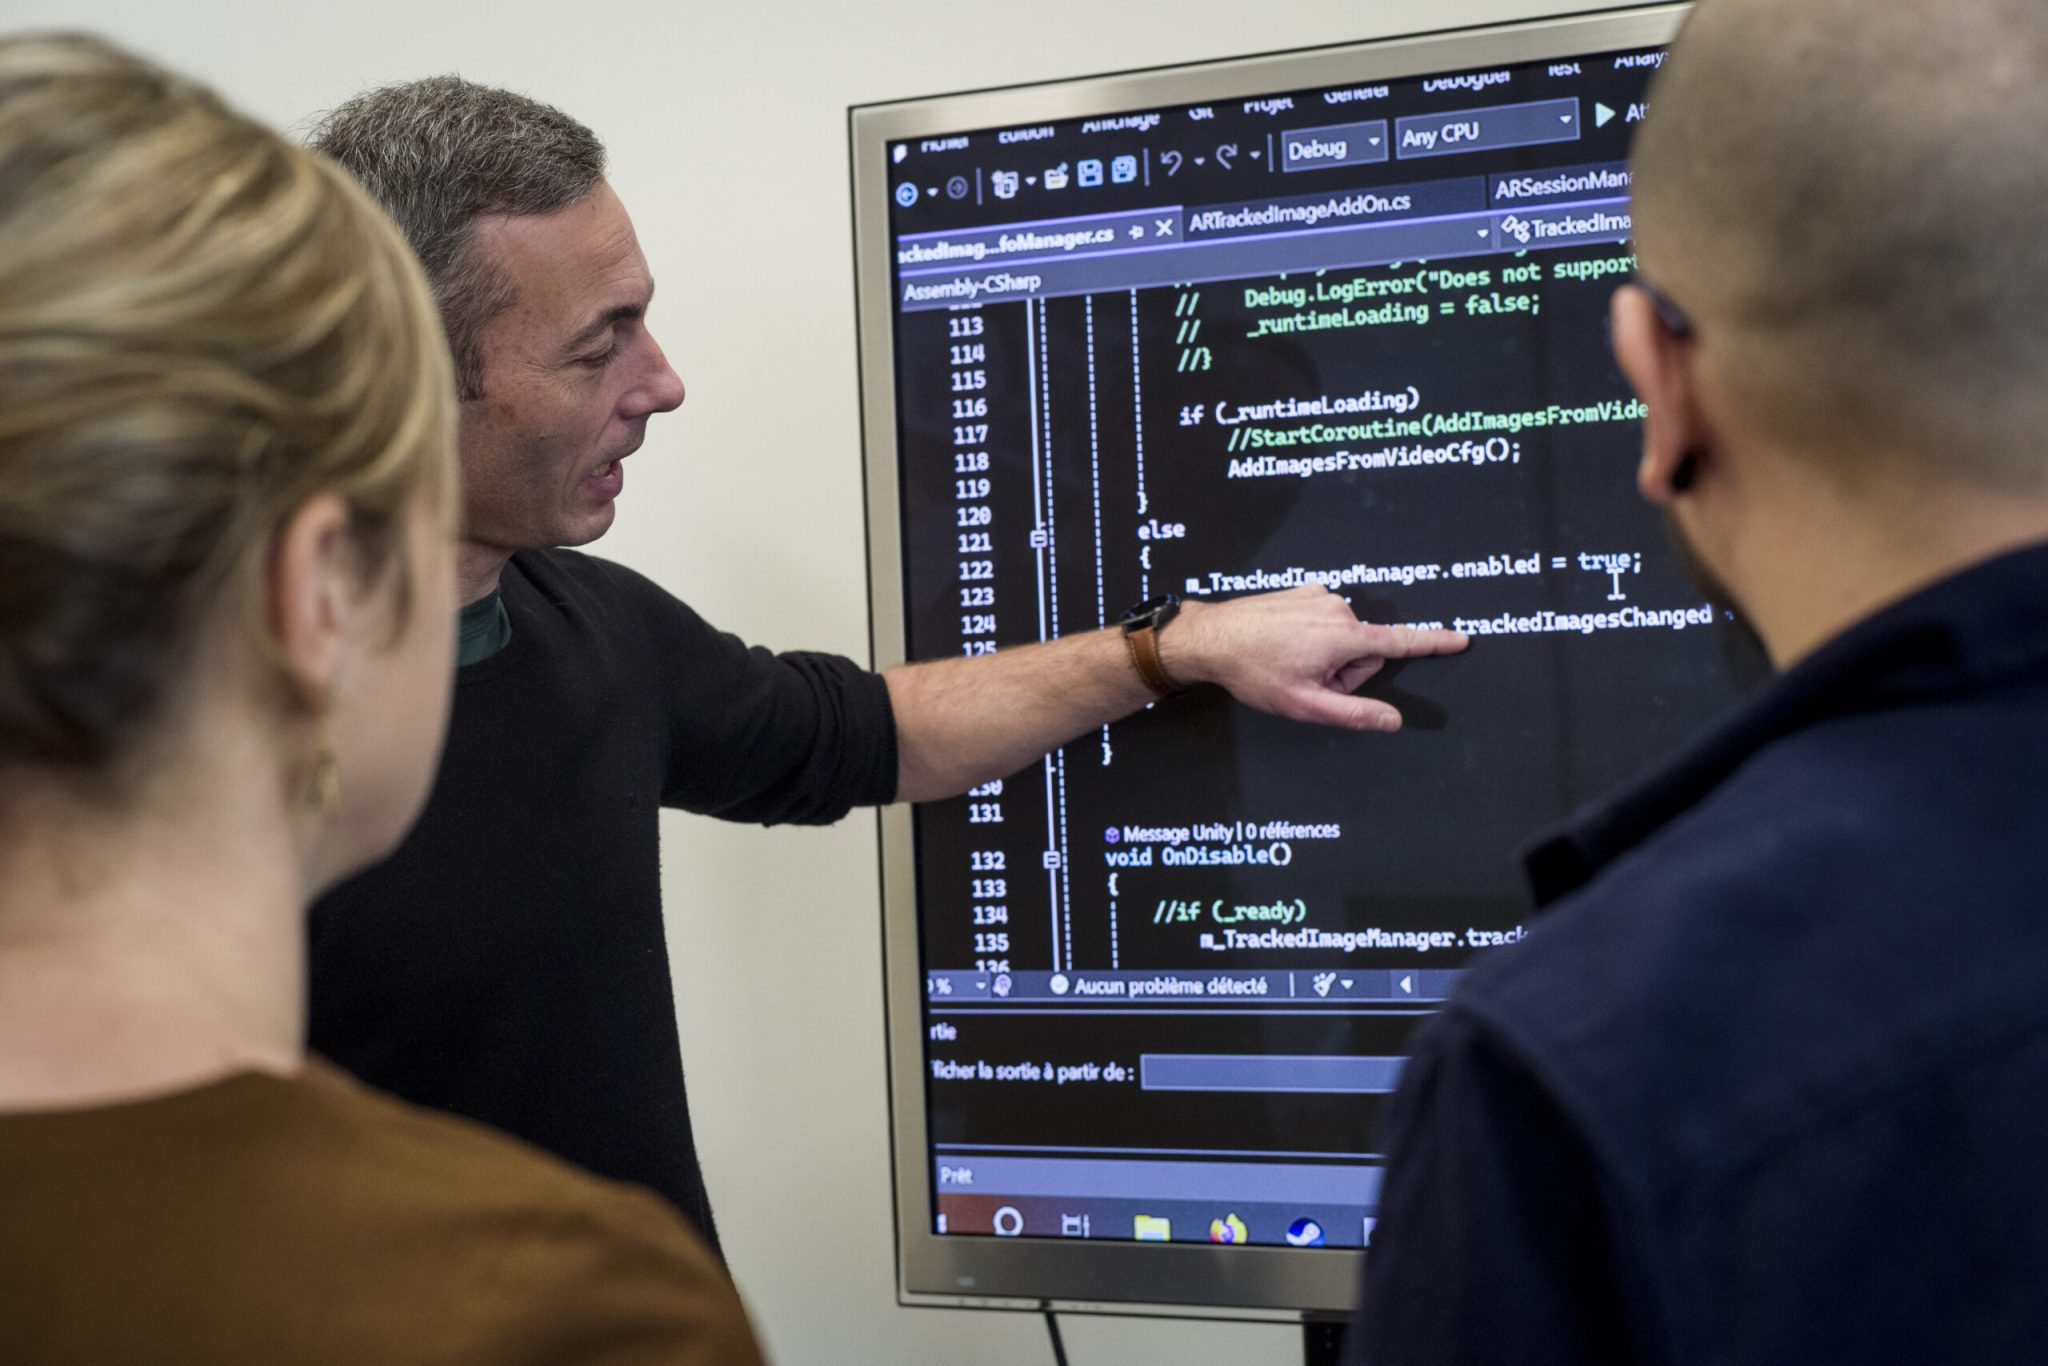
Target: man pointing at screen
(508,963)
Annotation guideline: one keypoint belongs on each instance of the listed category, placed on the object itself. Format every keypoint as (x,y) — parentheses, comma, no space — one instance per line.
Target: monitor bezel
(958,1271)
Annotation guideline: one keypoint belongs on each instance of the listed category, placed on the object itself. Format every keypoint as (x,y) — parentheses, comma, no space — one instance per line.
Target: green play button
(1601,115)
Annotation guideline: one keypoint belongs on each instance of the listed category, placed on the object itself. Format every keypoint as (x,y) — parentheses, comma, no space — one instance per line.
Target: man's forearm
(963,721)
(1298,654)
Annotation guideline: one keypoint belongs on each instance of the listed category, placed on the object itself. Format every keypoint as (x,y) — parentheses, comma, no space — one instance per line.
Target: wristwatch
(1142,625)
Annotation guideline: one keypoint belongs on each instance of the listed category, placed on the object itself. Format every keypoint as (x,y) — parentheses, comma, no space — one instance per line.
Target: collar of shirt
(482,629)
(1979,628)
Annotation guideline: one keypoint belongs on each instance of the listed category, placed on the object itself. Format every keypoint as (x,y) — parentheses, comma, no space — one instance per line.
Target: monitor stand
(1322,1343)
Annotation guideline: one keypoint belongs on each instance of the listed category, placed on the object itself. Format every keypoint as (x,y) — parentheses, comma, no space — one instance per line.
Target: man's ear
(1677,446)
(311,589)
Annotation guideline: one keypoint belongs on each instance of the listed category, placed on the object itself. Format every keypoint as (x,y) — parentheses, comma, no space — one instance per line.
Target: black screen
(1352,336)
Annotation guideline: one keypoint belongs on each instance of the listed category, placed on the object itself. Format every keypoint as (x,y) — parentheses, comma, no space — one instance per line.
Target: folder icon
(1152,1229)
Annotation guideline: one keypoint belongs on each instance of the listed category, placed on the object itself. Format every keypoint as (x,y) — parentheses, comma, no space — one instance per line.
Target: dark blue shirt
(1768,1082)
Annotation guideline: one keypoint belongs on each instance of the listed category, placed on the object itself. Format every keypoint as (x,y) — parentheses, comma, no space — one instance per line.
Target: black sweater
(507,963)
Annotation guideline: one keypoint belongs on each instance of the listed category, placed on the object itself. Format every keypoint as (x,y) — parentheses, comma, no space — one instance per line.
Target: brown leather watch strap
(1144,648)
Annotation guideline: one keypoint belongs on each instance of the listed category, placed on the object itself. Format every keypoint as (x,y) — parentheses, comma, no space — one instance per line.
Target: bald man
(1769,1079)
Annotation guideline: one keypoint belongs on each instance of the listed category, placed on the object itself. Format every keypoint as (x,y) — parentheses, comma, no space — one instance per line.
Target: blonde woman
(226,589)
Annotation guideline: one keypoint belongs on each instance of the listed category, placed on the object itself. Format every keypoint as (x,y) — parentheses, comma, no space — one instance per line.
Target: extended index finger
(1410,642)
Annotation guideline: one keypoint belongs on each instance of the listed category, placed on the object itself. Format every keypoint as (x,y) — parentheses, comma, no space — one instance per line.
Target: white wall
(727,128)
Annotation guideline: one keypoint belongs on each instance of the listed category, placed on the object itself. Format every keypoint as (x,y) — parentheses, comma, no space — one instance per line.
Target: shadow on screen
(1417,712)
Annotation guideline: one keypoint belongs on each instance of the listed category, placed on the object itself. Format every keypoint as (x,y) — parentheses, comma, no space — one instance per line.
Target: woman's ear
(311,591)
(1659,367)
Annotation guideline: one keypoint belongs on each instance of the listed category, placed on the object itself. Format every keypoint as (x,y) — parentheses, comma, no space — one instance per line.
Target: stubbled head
(443,152)
(203,328)
(1849,199)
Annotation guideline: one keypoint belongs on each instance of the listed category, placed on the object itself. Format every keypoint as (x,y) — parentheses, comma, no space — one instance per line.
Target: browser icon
(1152,1229)
(1228,1229)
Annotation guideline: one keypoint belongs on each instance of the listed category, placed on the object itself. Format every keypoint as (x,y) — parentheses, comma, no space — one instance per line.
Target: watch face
(1152,611)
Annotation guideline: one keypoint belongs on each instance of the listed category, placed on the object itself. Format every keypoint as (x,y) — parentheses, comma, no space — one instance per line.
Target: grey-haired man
(508,963)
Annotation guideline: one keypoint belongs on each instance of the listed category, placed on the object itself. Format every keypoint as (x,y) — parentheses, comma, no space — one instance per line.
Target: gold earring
(325,792)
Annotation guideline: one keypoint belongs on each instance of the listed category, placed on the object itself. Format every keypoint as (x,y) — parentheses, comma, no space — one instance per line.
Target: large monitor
(1331,317)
